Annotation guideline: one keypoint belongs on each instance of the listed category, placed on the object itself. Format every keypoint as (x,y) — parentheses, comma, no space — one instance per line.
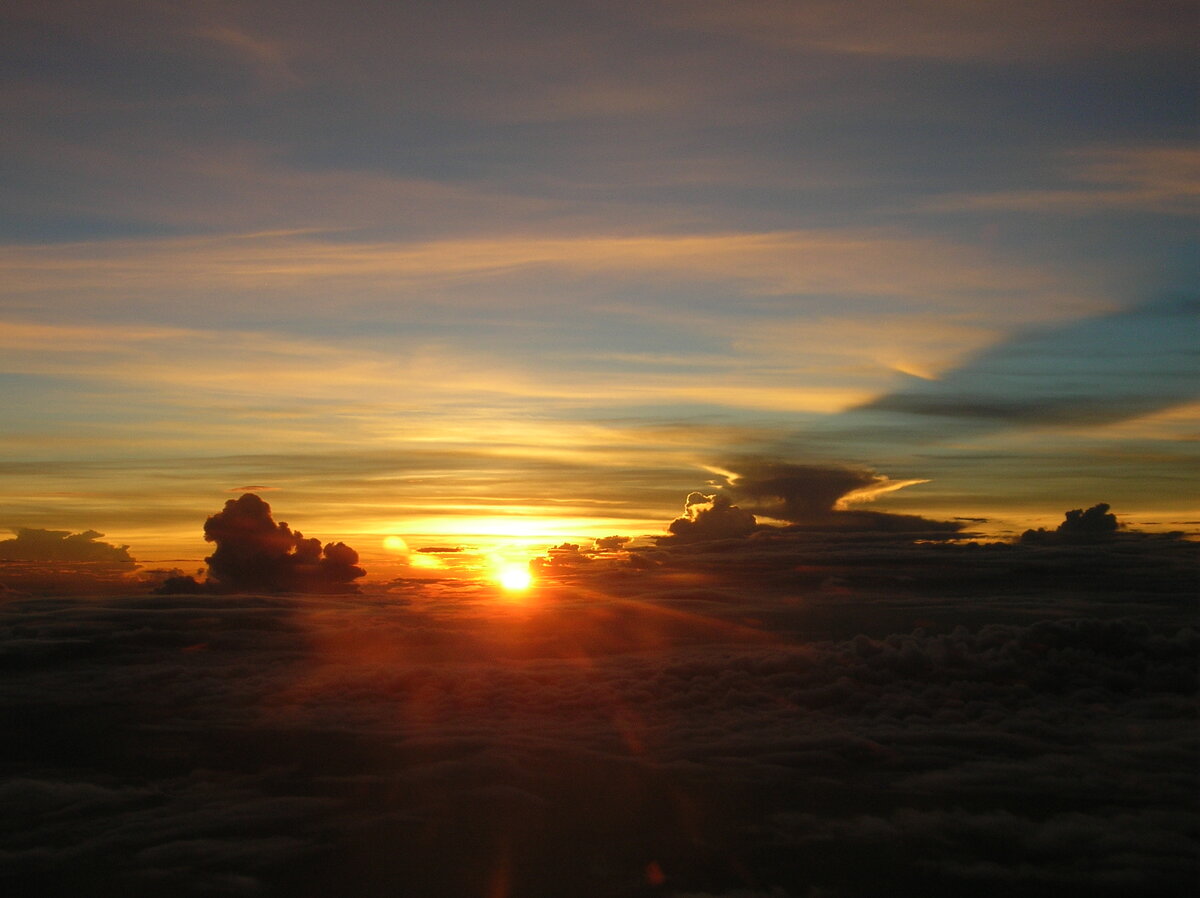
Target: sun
(514,577)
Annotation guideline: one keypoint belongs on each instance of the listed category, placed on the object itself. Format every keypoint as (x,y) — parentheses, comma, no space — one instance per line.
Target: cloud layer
(673,734)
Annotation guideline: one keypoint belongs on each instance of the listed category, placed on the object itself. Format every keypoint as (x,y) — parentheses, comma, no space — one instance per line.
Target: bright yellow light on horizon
(395,544)
(514,576)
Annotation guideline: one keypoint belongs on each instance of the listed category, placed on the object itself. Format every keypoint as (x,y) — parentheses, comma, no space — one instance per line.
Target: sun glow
(514,576)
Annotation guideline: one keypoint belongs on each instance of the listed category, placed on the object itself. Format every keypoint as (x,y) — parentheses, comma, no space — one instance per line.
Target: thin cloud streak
(852,262)
(994,31)
(1150,179)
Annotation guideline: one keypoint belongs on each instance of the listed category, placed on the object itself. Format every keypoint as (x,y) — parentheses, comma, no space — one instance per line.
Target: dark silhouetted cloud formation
(797,498)
(796,493)
(1095,524)
(254,553)
(59,562)
(32,544)
(710,517)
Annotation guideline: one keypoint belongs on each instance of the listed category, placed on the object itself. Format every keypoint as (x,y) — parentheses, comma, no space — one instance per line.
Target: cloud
(992,31)
(45,562)
(1095,524)
(802,506)
(59,562)
(1160,178)
(918,272)
(710,518)
(256,553)
(811,746)
(563,557)
(1095,371)
(33,544)
(797,493)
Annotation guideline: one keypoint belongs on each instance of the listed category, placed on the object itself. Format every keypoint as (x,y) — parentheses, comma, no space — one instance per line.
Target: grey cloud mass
(767,720)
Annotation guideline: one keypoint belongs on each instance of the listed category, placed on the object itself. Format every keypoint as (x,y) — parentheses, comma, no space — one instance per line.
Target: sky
(490,271)
(628,449)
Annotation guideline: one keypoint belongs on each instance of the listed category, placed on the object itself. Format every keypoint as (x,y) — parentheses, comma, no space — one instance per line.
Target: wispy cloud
(1156,178)
(850,263)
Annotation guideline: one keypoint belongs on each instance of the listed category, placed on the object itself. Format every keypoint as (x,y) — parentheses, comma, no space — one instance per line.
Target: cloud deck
(611,737)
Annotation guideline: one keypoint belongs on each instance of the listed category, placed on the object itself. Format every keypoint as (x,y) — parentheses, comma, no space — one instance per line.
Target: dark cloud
(254,553)
(349,744)
(806,497)
(563,558)
(881,522)
(58,562)
(1095,524)
(708,517)
(605,555)
(796,493)
(32,544)
(860,553)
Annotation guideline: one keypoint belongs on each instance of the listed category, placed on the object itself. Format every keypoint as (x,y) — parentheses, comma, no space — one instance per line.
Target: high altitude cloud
(256,553)
(1096,371)
(803,496)
(34,544)
(797,493)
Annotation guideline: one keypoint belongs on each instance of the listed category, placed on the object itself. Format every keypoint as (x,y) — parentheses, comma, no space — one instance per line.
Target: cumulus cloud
(565,558)
(795,497)
(710,517)
(254,553)
(33,544)
(1095,524)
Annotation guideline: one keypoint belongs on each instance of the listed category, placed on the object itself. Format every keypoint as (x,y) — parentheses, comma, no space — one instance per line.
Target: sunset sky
(604,448)
(471,273)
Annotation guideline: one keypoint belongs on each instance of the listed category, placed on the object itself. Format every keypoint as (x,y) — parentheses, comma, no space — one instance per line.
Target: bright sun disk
(514,576)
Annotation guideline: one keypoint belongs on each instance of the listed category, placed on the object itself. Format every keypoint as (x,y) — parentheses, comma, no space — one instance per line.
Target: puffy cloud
(256,553)
(710,517)
(563,558)
(611,543)
(1095,524)
(32,544)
